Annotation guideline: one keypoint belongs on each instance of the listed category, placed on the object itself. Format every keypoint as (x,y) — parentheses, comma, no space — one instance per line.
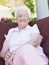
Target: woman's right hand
(7,56)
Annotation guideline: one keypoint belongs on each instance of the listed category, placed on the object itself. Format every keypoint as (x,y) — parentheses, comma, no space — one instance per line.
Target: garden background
(7,9)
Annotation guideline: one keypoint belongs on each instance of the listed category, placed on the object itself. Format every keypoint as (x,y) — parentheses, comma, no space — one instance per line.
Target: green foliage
(30,4)
(2,2)
(48,3)
(6,20)
(12,10)
(13,13)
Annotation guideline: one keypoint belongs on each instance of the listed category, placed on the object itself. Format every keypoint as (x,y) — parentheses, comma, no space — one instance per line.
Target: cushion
(43,25)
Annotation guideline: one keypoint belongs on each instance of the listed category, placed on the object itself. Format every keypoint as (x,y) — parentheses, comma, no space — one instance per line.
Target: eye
(19,16)
(25,15)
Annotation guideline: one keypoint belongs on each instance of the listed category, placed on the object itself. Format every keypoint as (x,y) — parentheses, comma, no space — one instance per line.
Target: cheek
(28,20)
(19,20)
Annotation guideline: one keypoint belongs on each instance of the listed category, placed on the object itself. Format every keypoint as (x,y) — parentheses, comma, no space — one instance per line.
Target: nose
(22,17)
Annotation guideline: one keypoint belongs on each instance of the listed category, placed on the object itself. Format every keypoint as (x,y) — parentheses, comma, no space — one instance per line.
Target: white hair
(22,7)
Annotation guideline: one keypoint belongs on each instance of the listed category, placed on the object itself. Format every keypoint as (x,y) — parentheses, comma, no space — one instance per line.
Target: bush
(6,20)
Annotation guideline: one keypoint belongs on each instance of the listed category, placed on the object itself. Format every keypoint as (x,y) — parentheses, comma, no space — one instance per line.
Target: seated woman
(22,43)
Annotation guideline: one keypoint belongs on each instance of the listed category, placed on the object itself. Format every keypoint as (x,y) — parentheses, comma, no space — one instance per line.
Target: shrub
(6,20)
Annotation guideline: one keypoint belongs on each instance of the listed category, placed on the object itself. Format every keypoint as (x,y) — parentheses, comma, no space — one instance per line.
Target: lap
(29,55)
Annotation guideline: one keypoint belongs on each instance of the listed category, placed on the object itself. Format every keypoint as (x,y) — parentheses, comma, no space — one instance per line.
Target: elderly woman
(22,43)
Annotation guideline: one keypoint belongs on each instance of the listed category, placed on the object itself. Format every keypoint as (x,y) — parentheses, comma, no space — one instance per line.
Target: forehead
(21,12)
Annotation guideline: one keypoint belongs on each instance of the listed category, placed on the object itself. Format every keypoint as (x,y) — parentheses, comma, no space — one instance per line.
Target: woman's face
(22,19)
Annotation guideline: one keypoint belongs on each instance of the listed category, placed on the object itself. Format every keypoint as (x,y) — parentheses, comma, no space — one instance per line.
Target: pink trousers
(27,55)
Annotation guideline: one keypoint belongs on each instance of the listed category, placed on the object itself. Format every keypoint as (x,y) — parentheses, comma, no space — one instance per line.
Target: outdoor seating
(43,25)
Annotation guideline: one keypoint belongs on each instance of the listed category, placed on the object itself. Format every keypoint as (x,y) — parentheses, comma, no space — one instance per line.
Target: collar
(16,29)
